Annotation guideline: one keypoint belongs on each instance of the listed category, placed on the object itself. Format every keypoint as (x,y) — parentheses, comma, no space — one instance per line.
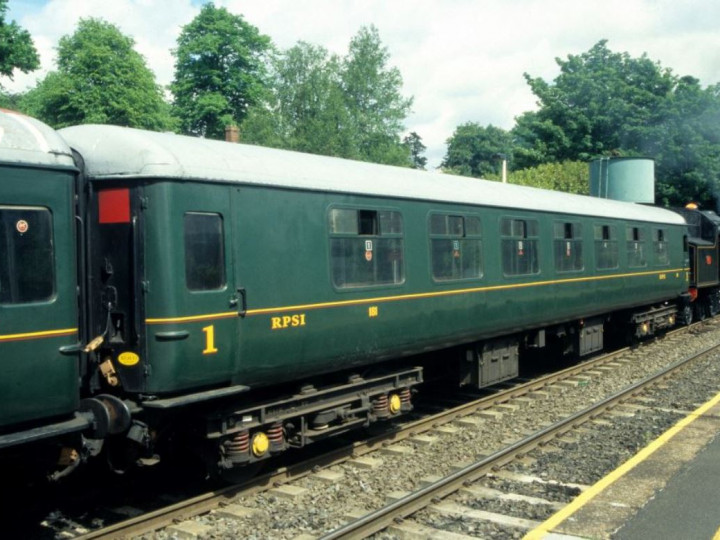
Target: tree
(474,150)
(601,101)
(606,103)
(219,71)
(17,50)
(100,79)
(414,144)
(686,145)
(568,176)
(348,107)
(375,105)
(12,102)
(305,110)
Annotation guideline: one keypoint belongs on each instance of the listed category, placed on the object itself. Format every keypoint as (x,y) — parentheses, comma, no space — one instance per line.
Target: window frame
(222,255)
(50,234)
(636,247)
(461,236)
(528,234)
(382,244)
(612,238)
(568,243)
(660,243)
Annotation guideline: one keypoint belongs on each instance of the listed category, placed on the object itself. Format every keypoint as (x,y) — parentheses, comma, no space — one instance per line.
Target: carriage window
(660,247)
(635,237)
(568,247)
(366,247)
(204,252)
(27,260)
(606,247)
(519,246)
(456,247)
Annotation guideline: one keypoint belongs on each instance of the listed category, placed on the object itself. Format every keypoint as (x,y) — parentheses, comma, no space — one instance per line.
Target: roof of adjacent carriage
(26,141)
(112,152)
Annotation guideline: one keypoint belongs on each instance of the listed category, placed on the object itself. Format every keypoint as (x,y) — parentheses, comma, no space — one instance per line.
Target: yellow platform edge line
(586,496)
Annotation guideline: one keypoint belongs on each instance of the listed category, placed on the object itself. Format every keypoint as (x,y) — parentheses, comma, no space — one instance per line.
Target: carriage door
(38,298)
(192,303)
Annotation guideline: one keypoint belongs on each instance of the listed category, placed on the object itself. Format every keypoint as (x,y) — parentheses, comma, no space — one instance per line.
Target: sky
(461,60)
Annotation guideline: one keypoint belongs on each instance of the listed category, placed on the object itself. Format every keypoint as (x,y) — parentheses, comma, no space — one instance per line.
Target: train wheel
(713,304)
(700,310)
(686,315)
(707,307)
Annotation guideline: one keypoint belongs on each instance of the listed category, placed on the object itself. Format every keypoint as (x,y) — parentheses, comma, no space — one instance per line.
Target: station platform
(668,490)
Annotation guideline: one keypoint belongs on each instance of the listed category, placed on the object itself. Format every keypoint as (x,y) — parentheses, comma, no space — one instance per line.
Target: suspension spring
(239,444)
(276,436)
(380,406)
(405,398)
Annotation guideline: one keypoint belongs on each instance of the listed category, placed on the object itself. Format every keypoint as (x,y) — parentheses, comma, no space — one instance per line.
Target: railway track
(466,478)
(468,413)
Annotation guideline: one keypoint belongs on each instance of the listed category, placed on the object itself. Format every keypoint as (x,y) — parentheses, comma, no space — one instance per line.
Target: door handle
(243,299)
(71,349)
(170,336)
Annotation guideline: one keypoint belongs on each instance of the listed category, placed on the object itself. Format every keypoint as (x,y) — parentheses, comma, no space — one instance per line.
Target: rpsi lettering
(287,321)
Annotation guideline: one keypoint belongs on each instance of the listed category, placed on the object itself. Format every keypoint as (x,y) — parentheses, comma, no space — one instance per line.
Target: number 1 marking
(209,340)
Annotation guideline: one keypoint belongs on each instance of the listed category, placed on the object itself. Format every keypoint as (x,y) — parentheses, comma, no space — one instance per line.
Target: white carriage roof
(26,140)
(112,152)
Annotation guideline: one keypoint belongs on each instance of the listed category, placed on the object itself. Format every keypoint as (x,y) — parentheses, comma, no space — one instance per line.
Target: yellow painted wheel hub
(395,404)
(260,444)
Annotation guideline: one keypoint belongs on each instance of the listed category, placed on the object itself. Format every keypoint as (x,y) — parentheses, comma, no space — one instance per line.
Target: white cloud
(153,24)
(462,60)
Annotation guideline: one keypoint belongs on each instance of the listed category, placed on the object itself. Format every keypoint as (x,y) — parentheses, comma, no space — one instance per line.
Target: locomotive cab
(704,258)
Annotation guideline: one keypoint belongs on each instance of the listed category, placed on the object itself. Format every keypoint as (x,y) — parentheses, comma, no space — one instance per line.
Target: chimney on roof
(232,134)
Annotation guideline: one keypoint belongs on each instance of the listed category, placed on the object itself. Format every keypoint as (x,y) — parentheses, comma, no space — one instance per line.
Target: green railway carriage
(39,313)
(220,269)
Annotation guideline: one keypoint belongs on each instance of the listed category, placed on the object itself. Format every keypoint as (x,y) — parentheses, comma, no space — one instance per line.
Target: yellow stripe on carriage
(193,318)
(382,299)
(38,335)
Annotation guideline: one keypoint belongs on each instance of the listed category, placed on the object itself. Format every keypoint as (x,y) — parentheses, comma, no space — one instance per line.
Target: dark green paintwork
(37,381)
(277,247)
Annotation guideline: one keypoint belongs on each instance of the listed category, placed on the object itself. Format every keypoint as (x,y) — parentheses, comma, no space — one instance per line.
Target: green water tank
(623,179)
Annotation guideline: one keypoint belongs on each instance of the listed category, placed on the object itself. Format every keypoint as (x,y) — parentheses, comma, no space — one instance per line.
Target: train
(160,292)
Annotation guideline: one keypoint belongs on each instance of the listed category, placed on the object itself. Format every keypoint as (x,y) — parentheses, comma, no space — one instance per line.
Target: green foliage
(600,102)
(306,110)
(11,101)
(348,107)
(17,50)
(100,79)
(219,71)
(474,150)
(376,108)
(413,142)
(568,176)
(606,103)
(686,145)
